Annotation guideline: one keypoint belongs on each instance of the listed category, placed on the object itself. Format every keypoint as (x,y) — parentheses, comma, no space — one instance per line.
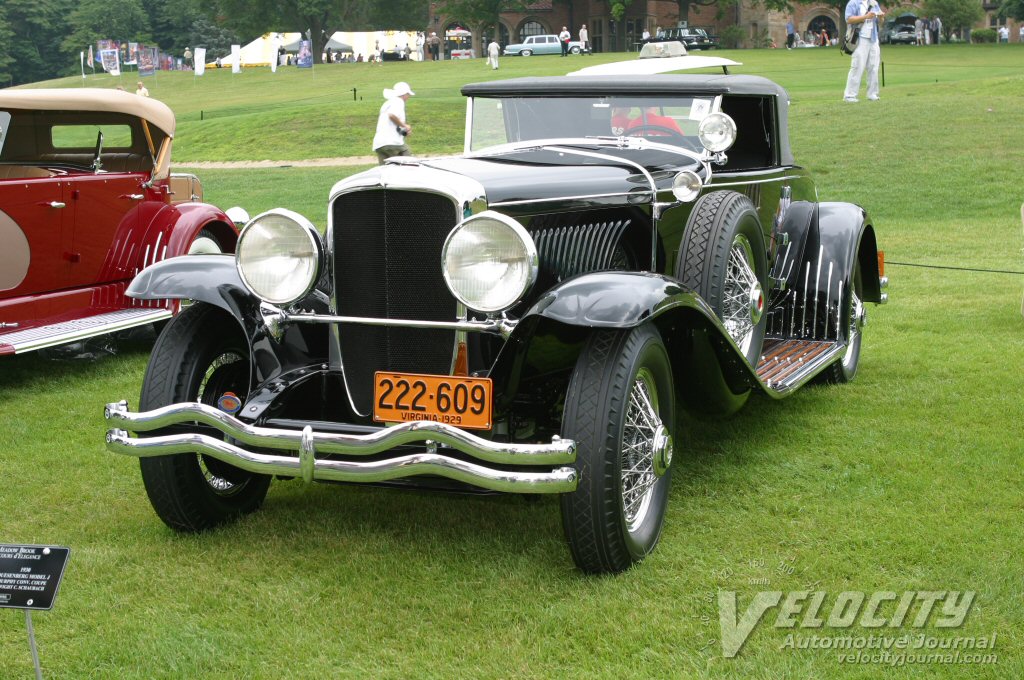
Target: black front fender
(614,300)
(205,278)
(213,279)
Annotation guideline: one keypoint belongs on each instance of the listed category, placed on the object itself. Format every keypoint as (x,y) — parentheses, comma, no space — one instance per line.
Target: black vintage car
(609,254)
(692,38)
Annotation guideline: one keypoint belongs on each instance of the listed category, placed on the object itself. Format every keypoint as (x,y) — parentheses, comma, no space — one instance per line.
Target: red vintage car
(87,200)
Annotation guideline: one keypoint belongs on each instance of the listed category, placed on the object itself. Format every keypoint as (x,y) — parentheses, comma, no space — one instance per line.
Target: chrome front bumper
(306,444)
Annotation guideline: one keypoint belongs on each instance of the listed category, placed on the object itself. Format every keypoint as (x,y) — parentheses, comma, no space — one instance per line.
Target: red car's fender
(172,228)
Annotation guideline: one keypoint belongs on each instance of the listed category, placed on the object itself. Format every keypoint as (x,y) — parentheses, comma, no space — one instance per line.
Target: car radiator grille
(565,251)
(387,265)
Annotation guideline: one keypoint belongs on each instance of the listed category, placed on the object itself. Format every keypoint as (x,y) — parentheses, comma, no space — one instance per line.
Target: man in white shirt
(585,40)
(864,17)
(493,50)
(1004,34)
(563,39)
(392,128)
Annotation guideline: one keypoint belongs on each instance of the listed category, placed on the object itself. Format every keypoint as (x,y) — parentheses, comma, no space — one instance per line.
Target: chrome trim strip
(497,326)
(714,184)
(529,201)
(557,452)
(559,480)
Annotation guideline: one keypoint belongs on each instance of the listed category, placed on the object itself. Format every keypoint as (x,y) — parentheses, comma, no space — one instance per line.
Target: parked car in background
(610,252)
(901,34)
(86,202)
(541,44)
(692,38)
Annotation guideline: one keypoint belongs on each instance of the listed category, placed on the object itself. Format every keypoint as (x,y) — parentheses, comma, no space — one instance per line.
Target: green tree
(216,39)
(955,14)
(96,20)
(35,28)
(6,60)
(1013,9)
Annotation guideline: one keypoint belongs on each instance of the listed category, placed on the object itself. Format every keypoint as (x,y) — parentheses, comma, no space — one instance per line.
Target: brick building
(758,27)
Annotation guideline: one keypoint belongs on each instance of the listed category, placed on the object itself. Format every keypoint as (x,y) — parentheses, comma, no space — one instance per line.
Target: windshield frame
(633,102)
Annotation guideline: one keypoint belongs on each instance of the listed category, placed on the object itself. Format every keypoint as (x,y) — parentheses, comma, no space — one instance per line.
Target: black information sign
(30,575)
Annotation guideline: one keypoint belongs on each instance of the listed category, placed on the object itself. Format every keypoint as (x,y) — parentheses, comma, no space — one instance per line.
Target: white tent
(363,42)
(261,51)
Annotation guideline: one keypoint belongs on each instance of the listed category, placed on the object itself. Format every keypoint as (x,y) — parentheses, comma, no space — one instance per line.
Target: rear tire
(526,53)
(619,409)
(722,258)
(200,356)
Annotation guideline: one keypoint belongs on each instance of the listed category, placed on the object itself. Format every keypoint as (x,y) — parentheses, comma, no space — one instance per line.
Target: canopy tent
(365,42)
(338,44)
(262,50)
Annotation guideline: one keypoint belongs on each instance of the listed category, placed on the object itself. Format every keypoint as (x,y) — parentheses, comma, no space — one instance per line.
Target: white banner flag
(236,58)
(111,62)
(200,61)
(275,46)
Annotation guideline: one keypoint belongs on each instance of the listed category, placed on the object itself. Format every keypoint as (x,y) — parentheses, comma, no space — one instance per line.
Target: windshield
(665,119)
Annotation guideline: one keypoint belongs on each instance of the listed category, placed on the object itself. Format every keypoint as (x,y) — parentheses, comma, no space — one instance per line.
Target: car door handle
(53,204)
(134,197)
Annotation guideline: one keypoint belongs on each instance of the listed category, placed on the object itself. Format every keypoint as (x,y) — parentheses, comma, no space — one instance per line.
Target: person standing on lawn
(493,50)
(790,35)
(865,14)
(563,39)
(392,128)
(584,40)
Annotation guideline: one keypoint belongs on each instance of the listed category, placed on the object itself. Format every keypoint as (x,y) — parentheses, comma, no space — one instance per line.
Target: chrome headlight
(717,132)
(278,256)
(489,262)
(686,186)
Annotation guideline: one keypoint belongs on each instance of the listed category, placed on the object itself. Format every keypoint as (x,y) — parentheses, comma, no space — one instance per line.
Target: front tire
(722,258)
(526,53)
(200,356)
(619,409)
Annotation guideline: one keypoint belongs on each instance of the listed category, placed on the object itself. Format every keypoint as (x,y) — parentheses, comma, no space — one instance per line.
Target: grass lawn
(909,479)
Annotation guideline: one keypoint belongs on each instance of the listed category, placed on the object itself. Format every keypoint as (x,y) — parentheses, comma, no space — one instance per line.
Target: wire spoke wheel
(619,409)
(742,299)
(638,442)
(722,258)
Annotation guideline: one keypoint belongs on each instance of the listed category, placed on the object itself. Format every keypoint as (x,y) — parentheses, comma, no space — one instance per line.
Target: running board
(787,364)
(64,332)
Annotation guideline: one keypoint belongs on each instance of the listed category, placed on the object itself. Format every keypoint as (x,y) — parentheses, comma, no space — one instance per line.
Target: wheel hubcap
(743,298)
(646,447)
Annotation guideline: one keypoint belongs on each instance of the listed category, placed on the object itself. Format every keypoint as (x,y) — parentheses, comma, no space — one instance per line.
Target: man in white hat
(392,128)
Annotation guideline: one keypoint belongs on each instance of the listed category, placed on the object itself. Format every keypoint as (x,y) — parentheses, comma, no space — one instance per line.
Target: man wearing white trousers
(867,14)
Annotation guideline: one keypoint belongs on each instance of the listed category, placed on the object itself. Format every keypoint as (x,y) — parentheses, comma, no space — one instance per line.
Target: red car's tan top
(92,99)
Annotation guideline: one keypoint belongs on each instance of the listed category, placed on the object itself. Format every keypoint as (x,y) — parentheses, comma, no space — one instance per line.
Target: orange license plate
(454,400)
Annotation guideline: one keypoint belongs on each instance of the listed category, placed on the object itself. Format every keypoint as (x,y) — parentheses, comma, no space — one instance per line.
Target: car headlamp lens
(278,256)
(717,132)
(686,186)
(489,262)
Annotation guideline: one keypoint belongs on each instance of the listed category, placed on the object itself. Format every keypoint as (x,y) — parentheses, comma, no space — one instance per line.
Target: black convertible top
(553,86)
(659,84)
